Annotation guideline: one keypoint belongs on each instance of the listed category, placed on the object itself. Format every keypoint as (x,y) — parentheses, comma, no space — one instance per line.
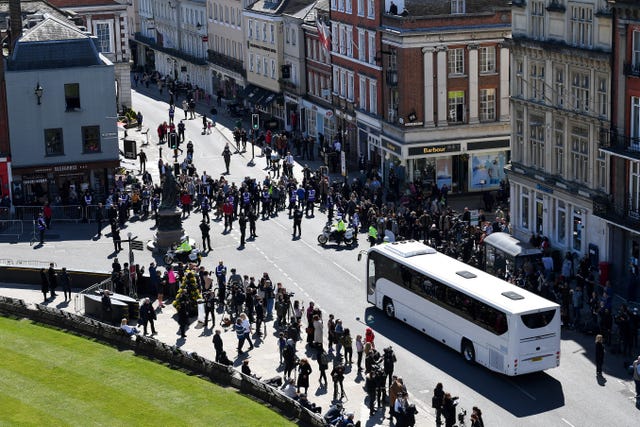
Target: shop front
(61,184)
(317,122)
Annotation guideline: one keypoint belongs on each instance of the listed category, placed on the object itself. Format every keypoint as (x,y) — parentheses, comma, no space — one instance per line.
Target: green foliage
(188,287)
(50,378)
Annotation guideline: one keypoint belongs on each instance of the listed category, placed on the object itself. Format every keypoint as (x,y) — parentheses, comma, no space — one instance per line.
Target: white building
(560,101)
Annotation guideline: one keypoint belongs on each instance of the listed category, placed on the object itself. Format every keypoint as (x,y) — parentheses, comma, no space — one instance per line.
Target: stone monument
(169,216)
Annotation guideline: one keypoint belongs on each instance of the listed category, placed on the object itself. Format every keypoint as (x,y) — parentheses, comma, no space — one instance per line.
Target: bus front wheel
(389,309)
(468,351)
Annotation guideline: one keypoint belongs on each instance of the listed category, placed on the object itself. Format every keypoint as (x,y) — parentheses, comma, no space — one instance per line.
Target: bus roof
(510,245)
(483,286)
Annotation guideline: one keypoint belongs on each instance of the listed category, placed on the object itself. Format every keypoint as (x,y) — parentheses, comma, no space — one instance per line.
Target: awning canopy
(257,95)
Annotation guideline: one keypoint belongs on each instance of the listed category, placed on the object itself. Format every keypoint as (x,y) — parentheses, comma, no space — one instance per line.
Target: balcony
(226,62)
(631,69)
(623,212)
(151,42)
(619,144)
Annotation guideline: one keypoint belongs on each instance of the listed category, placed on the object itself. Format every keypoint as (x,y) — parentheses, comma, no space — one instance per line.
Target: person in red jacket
(185,200)
(227,210)
(369,336)
(47,213)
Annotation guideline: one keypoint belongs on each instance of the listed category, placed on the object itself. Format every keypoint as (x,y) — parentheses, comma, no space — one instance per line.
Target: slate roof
(278,7)
(28,8)
(53,43)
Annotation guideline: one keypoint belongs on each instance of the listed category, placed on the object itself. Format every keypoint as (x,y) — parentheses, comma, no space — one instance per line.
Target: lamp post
(38,92)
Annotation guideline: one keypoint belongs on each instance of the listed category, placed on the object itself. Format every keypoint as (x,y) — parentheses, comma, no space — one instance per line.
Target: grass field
(48,377)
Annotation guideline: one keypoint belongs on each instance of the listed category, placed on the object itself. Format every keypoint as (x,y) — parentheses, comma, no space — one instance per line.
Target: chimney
(15,17)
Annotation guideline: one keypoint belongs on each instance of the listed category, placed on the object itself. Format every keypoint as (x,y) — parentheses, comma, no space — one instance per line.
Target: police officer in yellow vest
(341,228)
(373,235)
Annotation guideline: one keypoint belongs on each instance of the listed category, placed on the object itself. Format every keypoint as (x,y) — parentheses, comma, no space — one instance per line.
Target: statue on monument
(169,191)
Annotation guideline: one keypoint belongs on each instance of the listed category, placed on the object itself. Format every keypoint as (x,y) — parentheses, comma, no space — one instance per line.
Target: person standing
(246,324)
(226,155)
(370,388)
(106,307)
(599,355)
(636,376)
(115,235)
(206,237)
(65,282)
(53,280)
(44,284)
(99,218)
(253,217)
(297,222)
(337,374)
(42,226)
(218,345)
(48,214)
(304,372)
(437,401)
(242,223)
(183,314)
(239,330)
(323,365)
(142,159)
(359,351)
(147,315)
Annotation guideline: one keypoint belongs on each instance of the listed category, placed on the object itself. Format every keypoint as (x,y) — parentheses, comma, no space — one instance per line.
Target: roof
(279,7)
(510,245)
(53,43)
(29,8)
(82,3)
(480,285)
(439,7)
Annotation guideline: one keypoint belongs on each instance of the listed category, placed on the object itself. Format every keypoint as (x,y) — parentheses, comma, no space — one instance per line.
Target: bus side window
(371,285)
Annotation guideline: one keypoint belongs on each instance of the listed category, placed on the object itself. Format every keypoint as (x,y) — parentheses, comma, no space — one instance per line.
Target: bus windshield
(538,320)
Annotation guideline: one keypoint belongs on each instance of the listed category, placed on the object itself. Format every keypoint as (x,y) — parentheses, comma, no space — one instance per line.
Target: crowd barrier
(11,229)
(152,348)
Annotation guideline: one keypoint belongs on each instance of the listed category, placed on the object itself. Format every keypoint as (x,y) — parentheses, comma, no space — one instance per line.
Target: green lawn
(48,377)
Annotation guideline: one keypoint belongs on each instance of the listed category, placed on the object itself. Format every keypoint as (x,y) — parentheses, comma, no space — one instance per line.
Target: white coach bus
(490,321)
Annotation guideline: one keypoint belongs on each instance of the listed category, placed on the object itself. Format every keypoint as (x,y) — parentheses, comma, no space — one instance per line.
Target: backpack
(324,359)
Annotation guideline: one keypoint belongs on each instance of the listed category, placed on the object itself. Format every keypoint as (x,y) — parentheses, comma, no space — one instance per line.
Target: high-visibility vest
(373,232)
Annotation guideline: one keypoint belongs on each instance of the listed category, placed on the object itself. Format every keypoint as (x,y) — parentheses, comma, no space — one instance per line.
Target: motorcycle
(185,252)
(329,234)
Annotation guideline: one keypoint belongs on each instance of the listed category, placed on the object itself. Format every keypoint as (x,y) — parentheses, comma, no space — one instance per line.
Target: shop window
(577,230)
(54,144)
(91,139)
(72,96)
(561,223)
(524,209)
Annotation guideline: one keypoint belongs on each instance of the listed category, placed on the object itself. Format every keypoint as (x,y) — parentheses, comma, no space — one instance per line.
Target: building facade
(57,78)
(621,209)
(444,95)
(560,102)
(107,20)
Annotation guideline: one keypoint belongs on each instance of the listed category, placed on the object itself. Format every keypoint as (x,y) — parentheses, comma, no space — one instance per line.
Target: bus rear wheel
(468,352)
(389,308)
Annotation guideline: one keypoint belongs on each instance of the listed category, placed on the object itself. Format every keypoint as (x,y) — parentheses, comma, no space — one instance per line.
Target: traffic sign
(137,245)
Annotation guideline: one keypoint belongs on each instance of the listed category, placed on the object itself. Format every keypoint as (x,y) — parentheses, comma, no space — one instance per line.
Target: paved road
(567,396)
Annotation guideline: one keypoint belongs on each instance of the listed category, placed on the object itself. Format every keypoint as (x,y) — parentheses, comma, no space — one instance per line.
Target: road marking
(347,271)
(567,422)
(525,392)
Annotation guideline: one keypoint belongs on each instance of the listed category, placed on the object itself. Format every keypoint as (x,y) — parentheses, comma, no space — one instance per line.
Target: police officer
(297,222)
(373,234)
(242,222)
(206,238)
(205,208)
(226,154)
(311,201)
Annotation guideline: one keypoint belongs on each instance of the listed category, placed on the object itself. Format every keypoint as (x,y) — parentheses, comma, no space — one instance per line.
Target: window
(340,5)
(349,33)
(634,188)
(343,84)
(636,51)
(293,37)
(362,93)
(536,141)
(580,90)
(581,25)
(286,36)
(90,139)
(350,86)
(373,97)
(258,64)
(537,19)
(349,8)
(251,62)
(558,147)
(561,223)
(334,4)
(53,142)
(601,171)
(335,36)
(72,96)
(456,61)
(264,31)
(539,224)
(456,106)
(580,153)
(536,77)
(577,230)
(524,209)
(635,123)
(372,47)
(273,69)
(487,104)
(265,64)
(272,32)
(371,9)
(519,136)
(558,81)
(488,59)
(215,11)
(361,45)
(519,89)
(360,7)
(457,6)
(250,29)
(602,97)
(538,320)
(336,80)
(343,39)
(103,37)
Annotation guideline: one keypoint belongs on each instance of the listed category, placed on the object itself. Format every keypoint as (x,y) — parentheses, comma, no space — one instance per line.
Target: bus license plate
(536,359)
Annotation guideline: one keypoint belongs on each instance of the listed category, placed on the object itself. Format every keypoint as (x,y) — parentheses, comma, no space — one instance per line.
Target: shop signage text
(433,149)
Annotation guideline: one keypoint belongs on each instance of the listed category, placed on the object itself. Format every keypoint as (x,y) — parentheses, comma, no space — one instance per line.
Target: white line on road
(567,422)
(525,392)
(347,271)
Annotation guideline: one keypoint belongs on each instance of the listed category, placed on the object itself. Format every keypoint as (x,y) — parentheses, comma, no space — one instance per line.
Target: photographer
(449,410)
(389,360)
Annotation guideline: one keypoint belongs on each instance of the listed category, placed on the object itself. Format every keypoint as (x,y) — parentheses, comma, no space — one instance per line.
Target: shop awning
(257,95)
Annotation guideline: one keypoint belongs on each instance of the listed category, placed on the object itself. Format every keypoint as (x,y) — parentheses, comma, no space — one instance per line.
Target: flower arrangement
(188,293)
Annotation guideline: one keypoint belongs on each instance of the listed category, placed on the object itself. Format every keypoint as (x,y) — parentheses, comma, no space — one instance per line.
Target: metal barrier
(27,262)
(78,299)
(5,213)
(91,212)
(58,213)
(11,228)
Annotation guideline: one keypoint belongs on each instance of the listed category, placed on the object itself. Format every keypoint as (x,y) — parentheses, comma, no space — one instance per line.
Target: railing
(625,211)
(170,51)
(612,138)
(27,262)
(225,61)
(78,299)
(11,228)
(58,213)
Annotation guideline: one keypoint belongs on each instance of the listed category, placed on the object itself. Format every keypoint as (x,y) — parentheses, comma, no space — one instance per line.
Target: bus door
(371,280)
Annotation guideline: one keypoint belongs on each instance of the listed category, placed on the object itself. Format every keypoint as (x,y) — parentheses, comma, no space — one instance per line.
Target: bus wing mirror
(359,256)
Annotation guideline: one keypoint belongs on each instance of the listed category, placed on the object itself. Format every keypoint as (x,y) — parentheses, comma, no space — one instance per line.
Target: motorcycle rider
(340,229)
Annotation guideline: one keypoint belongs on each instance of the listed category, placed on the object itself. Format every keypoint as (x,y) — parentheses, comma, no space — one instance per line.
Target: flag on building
(324,35)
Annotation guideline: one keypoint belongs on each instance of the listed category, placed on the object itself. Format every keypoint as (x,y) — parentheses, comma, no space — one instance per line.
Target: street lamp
(38,91)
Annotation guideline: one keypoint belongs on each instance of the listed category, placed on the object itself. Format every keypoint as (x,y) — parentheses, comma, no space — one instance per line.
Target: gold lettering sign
(431,150)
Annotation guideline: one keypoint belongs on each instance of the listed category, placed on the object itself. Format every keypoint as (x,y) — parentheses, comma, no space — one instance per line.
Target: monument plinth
(169,216)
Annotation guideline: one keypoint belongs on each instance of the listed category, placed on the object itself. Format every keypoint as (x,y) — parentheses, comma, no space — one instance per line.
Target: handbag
(434,402)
